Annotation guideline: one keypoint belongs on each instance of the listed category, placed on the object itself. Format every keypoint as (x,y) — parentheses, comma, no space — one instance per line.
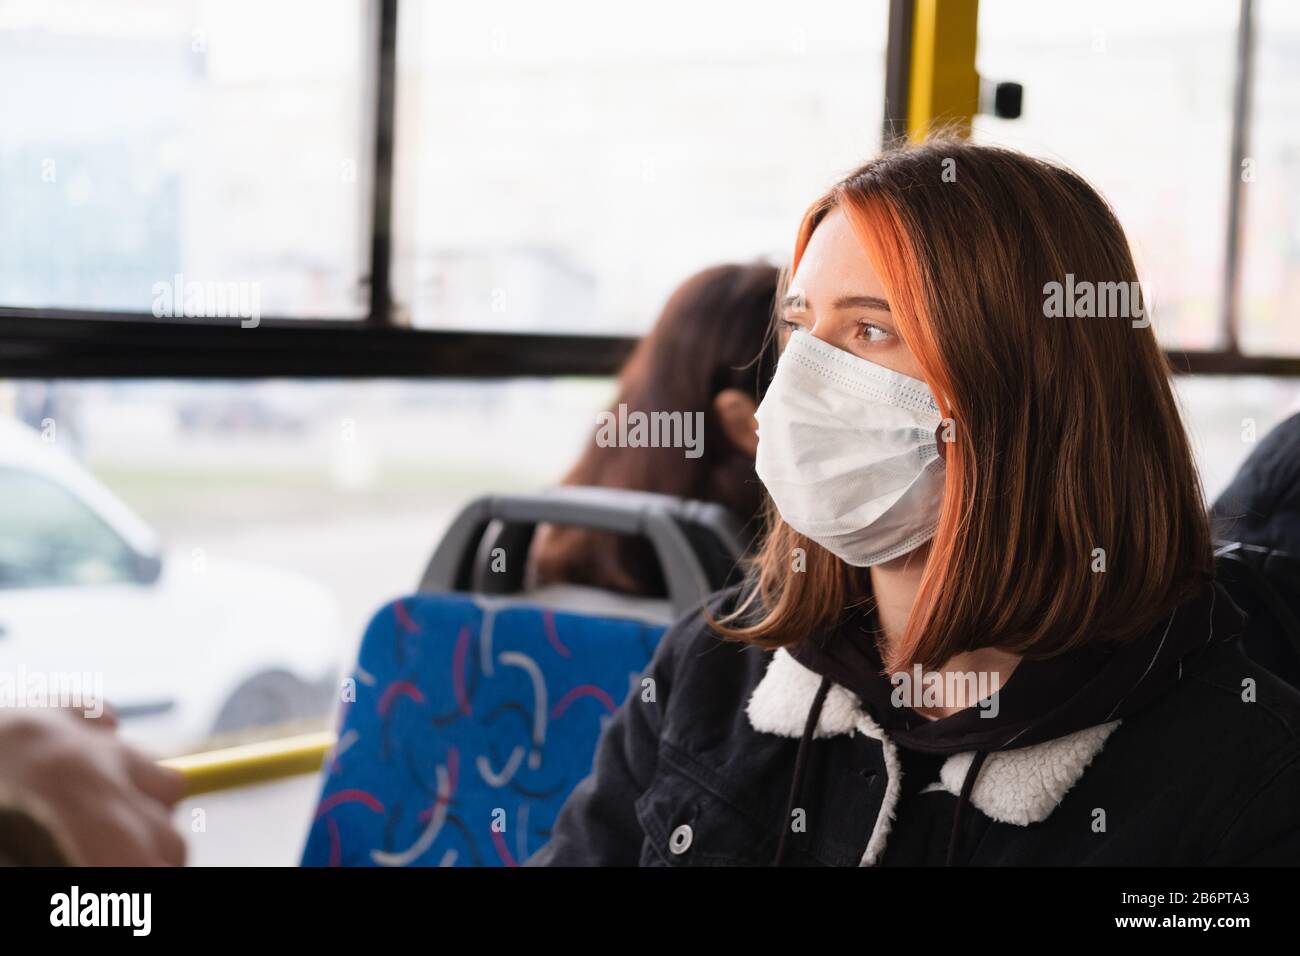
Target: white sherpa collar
(781,700)
(780,704)
(1020,787)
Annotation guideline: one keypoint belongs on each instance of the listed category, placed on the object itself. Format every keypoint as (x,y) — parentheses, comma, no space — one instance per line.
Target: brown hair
(1066,435)
(709,337)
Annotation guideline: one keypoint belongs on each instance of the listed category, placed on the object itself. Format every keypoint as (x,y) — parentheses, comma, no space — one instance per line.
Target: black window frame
(77,343)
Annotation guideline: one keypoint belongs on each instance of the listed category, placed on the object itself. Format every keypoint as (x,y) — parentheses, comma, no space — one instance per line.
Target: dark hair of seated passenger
(712,335)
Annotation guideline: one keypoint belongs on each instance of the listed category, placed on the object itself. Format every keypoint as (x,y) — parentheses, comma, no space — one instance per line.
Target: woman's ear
(735,411)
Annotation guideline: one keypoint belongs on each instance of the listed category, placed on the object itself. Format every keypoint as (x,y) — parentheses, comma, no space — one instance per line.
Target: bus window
(278,515)
(1270,279)
(585,155)
(1137,98)
(153,147)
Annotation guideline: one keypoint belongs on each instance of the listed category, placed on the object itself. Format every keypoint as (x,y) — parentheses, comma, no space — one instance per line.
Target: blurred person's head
(1067,506)
(704,355)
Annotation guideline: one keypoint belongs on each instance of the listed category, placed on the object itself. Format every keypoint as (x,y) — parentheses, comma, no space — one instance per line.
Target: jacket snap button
(680,841)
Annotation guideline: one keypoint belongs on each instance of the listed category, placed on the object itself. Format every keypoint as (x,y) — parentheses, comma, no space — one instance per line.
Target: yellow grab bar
(944,88)
(248,764)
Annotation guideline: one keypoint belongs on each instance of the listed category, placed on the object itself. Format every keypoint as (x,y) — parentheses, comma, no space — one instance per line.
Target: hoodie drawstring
(801,767)
(963,801)
(801,771)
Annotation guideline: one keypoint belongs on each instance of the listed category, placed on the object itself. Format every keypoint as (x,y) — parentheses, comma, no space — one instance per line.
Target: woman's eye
(873,333)
(785,325)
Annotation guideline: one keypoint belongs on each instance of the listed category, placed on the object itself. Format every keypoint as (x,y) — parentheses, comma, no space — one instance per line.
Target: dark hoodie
(1043,700)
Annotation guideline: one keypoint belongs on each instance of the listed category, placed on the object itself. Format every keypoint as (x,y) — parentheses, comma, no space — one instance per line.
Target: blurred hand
(108,802)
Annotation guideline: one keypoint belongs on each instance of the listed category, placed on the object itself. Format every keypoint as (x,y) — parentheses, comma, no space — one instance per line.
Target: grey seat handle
(662,520)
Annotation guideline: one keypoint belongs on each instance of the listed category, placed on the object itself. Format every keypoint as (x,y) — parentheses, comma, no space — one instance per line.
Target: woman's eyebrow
(862,302)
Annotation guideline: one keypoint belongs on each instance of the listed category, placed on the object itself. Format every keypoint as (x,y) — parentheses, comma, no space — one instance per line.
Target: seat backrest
(473,720)
(472,716)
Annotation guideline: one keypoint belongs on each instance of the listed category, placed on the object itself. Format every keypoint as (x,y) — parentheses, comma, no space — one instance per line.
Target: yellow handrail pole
(944,88)
(249,764)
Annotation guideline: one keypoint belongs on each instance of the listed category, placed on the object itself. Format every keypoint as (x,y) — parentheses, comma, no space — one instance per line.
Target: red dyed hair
(1067,437)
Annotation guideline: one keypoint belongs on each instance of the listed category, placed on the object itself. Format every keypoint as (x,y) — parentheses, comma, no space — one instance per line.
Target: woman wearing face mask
(983,628)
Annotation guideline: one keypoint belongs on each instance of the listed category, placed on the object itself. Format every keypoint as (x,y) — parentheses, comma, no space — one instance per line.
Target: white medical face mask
(848,453)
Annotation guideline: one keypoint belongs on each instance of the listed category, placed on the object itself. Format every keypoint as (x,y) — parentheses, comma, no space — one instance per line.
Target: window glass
(1227,416)
(1270,259)
(184,157)
(48,538)
(562,166)
(280,516)
(1137,97)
